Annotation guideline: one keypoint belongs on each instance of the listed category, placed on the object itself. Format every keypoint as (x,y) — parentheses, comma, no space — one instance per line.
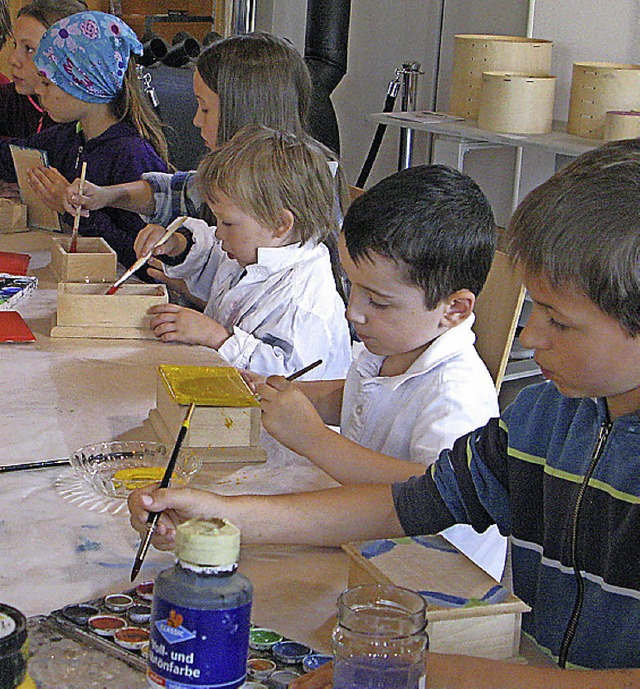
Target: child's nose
(353,313)
(532,335)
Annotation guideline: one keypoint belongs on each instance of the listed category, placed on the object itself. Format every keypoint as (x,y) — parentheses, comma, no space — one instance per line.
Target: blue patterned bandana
(86,55)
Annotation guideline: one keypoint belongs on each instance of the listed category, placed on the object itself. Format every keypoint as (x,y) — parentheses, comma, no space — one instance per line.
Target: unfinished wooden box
(13,216)
(86,310)
(94,261)
(468,611)
(225,426)
(516,103)
(597,87)
(474,54)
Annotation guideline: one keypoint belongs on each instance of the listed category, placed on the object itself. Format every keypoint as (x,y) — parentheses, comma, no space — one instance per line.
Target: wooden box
(516,103)
(597,87)
(474,54)
(468,612)
(86,310)
(13,216)
(95,260)
(225,426)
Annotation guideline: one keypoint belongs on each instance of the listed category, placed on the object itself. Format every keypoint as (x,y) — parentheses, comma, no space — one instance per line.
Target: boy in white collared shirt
(417,248)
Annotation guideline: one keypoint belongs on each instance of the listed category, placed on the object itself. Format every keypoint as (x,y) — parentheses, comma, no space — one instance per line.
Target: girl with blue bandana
(89,86)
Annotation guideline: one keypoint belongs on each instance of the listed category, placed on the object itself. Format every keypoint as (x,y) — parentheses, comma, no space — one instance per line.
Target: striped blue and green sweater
(524,472)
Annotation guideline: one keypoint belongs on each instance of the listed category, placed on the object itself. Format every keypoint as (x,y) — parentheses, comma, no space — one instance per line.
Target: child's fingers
(280,383)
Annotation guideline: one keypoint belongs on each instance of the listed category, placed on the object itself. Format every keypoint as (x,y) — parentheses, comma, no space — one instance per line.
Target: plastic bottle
(201,612)
(13,650)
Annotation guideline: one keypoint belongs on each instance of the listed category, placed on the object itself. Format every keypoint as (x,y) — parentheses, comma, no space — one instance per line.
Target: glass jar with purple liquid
(380,639)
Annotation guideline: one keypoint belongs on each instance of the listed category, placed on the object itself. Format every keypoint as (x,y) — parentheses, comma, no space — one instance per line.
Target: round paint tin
(13,647)
(253,685)
(315,660)
(131,638)
(260,668)
(290,652)
(139,614)
(281,679)
(118,602)
(145,590)
(79,614)
(105,625)
(262,639)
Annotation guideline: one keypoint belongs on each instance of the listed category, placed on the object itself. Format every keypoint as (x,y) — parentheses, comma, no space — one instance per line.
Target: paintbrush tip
(135,570)
(112,290)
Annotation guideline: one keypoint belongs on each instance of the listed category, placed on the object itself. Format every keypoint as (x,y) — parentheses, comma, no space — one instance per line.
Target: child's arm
(327,518)
(289,416)
(465,672)
(135,196)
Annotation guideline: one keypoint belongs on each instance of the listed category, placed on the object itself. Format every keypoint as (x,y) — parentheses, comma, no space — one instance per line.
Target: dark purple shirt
(118,155)
(19,117)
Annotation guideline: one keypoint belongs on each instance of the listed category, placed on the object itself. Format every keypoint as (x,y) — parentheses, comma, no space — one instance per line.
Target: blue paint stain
(374,548)
(86,544)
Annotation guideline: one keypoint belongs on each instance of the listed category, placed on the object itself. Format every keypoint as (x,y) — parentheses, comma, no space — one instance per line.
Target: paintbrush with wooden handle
(143,259)
(73,245)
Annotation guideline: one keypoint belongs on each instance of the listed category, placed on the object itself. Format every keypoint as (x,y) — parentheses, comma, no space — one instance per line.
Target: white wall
(586,31)
(384,35)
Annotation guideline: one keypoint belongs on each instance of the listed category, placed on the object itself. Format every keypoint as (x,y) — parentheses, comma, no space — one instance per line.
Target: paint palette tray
(14,288)
(118,624)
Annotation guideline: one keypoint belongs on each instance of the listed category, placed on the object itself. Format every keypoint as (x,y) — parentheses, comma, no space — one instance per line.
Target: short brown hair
(581,230)
(48,12)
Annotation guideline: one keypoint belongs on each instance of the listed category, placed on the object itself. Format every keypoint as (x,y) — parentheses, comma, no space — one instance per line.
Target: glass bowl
(116,468)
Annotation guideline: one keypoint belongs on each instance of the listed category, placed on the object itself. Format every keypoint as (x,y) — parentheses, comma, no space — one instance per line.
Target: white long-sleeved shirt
(283,311)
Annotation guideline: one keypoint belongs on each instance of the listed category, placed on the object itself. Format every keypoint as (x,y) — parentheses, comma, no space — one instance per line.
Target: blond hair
(265,171)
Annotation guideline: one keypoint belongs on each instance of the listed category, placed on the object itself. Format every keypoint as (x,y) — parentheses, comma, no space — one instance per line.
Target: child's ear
(458,307)
(285,223)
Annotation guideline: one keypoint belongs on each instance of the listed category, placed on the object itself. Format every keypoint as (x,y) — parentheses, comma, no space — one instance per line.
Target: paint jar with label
(201,612)
(380,638)
(13,650)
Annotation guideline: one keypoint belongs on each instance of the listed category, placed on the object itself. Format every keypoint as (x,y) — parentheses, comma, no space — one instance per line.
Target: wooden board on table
(467,610)
(38,214)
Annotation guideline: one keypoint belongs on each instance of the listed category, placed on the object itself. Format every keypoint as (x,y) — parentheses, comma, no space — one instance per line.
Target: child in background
(254,78)
(559,473)
(272,301)
(20,112)
(89,85)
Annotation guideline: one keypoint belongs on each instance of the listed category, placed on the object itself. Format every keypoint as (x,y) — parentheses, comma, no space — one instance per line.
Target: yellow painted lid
(207,386)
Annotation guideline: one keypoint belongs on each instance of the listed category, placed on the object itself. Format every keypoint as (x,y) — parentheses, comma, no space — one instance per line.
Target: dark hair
(48,12)
(581,230)
(434,222)
(260,79)
(5,23)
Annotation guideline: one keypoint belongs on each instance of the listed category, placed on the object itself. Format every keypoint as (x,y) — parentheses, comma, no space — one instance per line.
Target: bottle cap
(208,543)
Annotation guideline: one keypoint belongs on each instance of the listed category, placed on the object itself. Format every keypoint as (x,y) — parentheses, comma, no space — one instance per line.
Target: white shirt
(284,311)
(445,393)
